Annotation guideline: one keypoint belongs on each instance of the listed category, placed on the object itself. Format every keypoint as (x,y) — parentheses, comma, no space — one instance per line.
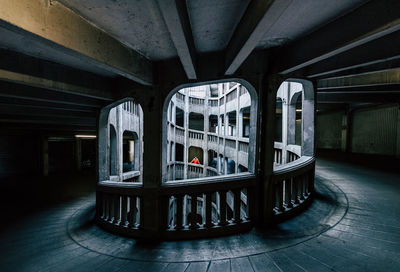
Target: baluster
(311,180)
(104,210)
(124,211)
(111,208)
(140,216)
(280,195)
(222,207)
(108,207)
(295,185)
(132,212)
(236,205)
(179,212)
(193,212)
(306,179)
(99,204)
(288,192)
(209,223)
(301,187)
(117,205)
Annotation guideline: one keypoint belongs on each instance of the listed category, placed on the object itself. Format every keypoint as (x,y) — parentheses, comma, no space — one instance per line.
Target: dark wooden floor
(353,225)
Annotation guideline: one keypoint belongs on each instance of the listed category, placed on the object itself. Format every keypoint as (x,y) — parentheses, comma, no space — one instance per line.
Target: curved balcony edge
(223,205)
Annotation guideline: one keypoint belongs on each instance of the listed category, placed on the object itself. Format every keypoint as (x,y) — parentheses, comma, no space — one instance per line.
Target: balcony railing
(205,206)
(293,183)
(215,215)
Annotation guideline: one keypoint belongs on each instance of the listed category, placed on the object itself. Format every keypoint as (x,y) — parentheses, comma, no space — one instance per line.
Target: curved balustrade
(293,152)
(206,206)
(119,206)
(221,206)
(293,184)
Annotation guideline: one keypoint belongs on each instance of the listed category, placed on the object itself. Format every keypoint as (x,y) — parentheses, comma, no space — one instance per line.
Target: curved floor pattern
(352,225)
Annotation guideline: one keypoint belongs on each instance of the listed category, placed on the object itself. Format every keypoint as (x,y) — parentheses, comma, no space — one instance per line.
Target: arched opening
(298,108)
(179,152)
(245,122)
(213,123)
(196,152)
(120,141)
(129,146)
(221,123)
(113,152)
(278,120)
(294,135)
(212,158)
(196,121)
(179,117)
(231,117)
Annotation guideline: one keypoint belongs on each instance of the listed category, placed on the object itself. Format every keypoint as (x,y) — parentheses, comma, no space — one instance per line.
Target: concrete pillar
(186,141)
(103,145)
(152,216)
(288,121)
(268,87)
(308,117)
(119,129)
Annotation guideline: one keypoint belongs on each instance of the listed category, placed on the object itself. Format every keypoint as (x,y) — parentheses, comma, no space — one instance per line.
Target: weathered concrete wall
(328,130)
(374,130)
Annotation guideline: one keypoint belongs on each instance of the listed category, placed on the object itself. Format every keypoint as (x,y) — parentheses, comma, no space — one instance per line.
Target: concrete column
(103,145)
(288,120)
(240,124)
(268,87)
(308,117)
(119,129)
(186,141)
(152,216)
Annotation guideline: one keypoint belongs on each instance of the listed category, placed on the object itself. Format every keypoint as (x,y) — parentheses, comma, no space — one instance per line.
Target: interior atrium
(186,135)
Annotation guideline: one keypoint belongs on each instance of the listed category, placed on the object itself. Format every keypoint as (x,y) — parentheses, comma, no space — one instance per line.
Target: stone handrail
(207,206)
(216,195)
(293,184)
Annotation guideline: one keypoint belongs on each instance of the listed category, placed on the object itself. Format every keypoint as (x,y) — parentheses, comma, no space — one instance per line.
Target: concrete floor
(352,225)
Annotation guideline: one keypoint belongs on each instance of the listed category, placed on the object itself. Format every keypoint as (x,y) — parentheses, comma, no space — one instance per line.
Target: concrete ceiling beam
(41,120)
(259,17)
(367,57)
(351,97)
(176,18)
(41,110)
(386,77)
(57,86)
(28,93)
(354,29)
(56,26)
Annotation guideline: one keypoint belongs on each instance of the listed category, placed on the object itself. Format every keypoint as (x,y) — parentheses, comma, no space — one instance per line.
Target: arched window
(113,152)
(216,126)
(294,121)
(120,142)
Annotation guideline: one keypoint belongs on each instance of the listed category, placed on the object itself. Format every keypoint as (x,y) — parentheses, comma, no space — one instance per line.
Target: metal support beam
(359,27)
(259,17)
(177,20)
(54,26)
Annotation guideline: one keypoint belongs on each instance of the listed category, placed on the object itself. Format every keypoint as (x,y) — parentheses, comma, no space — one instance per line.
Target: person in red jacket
(195,161)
